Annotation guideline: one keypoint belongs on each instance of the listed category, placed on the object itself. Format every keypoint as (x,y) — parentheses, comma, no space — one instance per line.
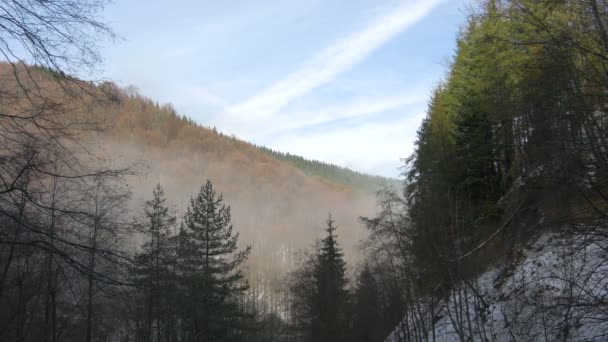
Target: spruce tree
(367,319)
(210,270)
(154,268)
(330,316)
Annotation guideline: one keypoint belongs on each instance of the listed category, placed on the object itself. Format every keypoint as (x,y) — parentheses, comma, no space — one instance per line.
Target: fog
(283,210)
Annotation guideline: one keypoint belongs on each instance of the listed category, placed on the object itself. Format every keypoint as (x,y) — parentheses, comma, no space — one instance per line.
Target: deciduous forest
(123,220)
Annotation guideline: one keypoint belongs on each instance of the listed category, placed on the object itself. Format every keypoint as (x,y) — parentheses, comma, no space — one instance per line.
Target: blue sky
(345,82)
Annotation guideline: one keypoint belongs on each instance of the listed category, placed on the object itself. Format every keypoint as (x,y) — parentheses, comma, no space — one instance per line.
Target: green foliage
(320,299)
(519,106)
(330,313)
(340,175)
(209,269)
(153,272)
(367,315)
(190,285)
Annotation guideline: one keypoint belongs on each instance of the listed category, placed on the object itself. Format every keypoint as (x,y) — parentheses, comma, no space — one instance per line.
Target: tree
(43,45)
(367,318)
(61,35)
(319,298)
(303,296)
(209,270)
(516,133)
(154,268)
(105,205)
(330,310)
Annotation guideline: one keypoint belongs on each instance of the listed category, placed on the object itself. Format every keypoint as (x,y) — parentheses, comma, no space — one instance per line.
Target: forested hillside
(124,144)
(79,214)
(272,195)
(513,148)
(276,205)
(338,174)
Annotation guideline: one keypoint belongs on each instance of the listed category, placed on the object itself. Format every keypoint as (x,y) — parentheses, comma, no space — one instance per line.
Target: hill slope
(277,204)
(334,173)
(552,291)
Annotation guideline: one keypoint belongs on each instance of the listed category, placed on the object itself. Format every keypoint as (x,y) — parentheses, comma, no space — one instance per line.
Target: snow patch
(558,291)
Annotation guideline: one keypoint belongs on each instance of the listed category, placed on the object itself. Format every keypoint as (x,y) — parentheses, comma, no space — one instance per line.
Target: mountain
(279,201)
(337,174)
(277,204)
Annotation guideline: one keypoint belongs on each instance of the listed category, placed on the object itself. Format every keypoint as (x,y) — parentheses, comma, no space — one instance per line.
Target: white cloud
(325,66)
(364,108)
(369,147)
(315,108)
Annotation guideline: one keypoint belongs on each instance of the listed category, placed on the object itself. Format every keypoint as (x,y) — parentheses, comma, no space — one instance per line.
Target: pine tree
(154,268)
(367,320)
(330,310)
(210,270)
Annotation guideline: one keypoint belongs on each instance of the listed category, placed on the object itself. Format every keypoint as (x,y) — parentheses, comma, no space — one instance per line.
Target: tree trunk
(91,282)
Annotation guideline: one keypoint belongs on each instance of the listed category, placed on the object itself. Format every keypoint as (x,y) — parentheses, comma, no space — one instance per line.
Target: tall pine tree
(367,318)
(154,270)
(330,309)
(210,270)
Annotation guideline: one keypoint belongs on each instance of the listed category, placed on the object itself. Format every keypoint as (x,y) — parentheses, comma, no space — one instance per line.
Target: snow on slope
(556,291)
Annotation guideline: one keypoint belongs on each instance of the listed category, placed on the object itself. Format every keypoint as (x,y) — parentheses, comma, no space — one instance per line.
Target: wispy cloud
(248,69)
(332,61)
(382,144)
(364,108)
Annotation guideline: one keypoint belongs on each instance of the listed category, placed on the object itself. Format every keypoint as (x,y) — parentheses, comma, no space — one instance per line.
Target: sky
(345,82)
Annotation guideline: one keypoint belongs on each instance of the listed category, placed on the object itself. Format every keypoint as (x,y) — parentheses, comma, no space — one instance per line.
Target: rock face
(557,290)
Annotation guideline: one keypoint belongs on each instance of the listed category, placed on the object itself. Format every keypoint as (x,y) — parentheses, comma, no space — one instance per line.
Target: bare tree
(60,35)
(60,202)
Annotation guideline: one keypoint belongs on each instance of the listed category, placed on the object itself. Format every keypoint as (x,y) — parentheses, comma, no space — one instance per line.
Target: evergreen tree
(367,320)
(154,269)
(330,309)
(210,270)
